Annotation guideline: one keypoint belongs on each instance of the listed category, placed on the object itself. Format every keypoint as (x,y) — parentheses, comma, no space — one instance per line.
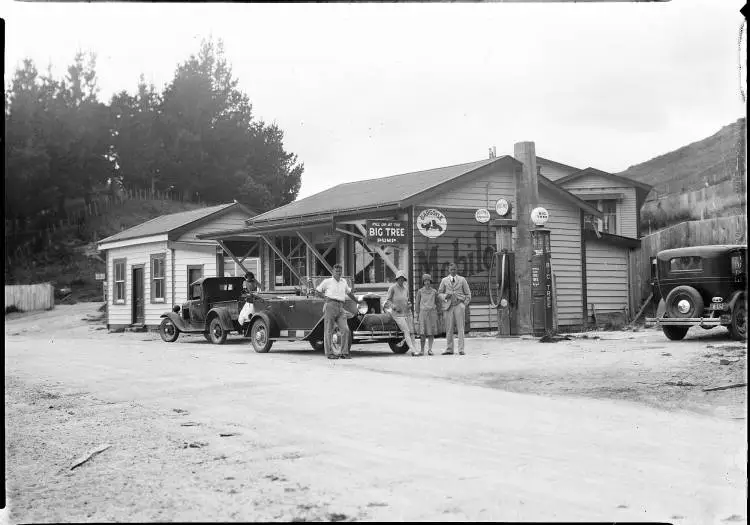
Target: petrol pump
(541,275)
(504,289)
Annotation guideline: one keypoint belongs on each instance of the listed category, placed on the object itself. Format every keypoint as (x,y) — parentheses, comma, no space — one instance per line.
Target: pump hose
(502,281)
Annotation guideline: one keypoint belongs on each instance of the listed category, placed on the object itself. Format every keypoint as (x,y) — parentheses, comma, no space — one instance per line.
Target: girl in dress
(397,301)
(427,317)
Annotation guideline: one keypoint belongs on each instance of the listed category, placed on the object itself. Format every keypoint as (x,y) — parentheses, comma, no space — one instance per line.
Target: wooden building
(150,266)
(426,220)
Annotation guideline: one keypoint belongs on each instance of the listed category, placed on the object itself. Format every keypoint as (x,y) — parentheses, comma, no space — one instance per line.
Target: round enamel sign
(539,216)
(482,215)
(432,223)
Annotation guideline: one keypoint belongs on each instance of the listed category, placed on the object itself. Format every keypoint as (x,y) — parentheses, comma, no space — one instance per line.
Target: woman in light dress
(427,316)
(397,299)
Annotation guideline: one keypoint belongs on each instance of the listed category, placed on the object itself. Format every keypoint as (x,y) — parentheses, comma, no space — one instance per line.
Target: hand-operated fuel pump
(541,275)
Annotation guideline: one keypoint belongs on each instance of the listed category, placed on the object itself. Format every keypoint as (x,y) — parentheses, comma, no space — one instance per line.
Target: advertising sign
(482,215)
(386,232)
(432,223)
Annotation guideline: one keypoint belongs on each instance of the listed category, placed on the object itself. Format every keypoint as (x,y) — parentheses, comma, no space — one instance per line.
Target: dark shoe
(447,353)
(429,352)
(461,353)
(345,356)
(332,356)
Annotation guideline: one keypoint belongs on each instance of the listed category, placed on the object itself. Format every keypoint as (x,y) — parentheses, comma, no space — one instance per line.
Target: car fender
(271,321)
(318,331)
(661,308)
(735,297)
(225,319)
(177,320)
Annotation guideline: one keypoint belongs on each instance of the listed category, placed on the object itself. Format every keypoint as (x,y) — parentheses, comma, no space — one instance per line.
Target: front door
(138,293)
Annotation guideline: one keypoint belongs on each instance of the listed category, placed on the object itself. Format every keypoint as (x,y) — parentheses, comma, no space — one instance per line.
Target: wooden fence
(30,297)
(722,230)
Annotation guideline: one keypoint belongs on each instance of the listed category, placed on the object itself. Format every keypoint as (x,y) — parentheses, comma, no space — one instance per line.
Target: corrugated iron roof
(165,223)
(370,193)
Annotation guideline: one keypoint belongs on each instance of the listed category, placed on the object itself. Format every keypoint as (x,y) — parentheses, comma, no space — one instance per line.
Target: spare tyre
(684,302)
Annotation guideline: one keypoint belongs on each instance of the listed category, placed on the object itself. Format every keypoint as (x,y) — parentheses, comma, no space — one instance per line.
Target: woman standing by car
(427,317)
(397,299)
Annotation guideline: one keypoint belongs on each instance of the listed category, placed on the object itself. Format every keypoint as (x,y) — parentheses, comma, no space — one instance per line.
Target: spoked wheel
(216,332)
(738,328)
(168,331)
(260,337)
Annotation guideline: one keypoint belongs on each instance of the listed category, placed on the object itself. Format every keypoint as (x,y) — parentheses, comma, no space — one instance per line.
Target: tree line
(196,137)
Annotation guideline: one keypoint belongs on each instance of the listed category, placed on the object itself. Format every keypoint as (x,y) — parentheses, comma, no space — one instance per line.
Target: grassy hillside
(69,258)
(711,160)
(705,179)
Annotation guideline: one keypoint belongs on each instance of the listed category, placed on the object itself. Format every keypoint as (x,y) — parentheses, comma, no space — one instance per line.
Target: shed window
(119,273)
(157,277)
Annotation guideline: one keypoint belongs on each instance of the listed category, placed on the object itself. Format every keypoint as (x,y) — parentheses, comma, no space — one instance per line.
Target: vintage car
(216,302)
(300,318)
(702,286)
(213,310)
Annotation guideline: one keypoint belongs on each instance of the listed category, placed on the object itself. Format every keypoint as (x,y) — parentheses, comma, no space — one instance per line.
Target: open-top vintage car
(216,302)
(702,286)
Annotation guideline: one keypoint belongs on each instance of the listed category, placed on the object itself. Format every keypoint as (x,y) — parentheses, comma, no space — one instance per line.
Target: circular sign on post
(502,207)
(482,215)
(539,216)
(432,223)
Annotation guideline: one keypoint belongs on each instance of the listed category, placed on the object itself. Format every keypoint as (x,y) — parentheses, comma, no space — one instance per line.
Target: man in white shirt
(335,291)
(457,296)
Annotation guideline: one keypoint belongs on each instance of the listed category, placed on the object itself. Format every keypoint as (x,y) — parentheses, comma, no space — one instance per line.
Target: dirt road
(580,430)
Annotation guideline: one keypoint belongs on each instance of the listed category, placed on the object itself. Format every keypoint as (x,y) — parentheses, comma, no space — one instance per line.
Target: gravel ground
(600,426)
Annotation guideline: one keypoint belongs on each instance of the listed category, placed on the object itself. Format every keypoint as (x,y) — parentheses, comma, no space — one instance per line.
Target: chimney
(527,198)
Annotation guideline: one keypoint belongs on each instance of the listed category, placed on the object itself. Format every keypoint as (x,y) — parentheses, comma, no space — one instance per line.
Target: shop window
(369,266)
(295,252)
(157,277)
(119,273)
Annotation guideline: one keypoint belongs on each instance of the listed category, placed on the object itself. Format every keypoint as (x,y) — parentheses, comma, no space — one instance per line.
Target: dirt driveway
(614,428)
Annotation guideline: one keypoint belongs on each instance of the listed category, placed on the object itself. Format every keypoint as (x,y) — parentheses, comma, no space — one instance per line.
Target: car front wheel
(259,335)
(738,327)
(168,331)
(216,332)
(394,344)
(675,333)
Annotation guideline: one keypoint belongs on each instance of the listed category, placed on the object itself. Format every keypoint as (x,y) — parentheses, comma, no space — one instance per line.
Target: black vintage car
(702,286)
(212,310)
(216,302)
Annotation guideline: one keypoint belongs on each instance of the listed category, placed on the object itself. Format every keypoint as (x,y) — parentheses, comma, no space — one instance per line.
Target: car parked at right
(702,286)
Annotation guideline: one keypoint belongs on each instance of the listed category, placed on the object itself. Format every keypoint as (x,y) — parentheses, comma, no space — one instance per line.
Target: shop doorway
(138,314)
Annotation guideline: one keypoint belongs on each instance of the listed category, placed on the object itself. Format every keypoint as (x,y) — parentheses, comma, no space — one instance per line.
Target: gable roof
(174,224)
(392,192)
(542,160)
(593,171)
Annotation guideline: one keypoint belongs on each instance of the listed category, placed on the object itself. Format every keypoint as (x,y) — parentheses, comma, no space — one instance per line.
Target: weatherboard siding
(565,244)
(482,192)
(626,209)
(606,277)
(122,314)
(554,172)
(233,220)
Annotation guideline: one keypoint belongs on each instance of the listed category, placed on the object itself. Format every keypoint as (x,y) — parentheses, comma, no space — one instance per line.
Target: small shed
(150,266)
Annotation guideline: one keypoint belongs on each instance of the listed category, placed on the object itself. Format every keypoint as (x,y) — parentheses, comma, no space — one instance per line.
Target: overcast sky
(370,90)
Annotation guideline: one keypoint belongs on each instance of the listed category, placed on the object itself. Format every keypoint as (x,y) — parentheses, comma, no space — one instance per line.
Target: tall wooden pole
(527,198)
